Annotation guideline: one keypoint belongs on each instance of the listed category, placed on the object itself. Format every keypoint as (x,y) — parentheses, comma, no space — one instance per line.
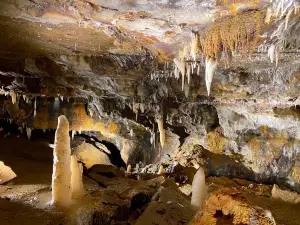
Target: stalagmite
(161,170)
(76,178)
(161,132)
(128,169)
(28,132)
(13,96)
(61,176)
(6,173)
(210,67)
(199,190)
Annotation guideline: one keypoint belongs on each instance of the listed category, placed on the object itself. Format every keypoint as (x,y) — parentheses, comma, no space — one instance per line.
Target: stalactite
(194,45)
(268,16)
(142,107)
(287,18)
(181,67)
(13,96)
(34,107)
(198,69)
(188,72)
(276,57)
(73,134)
(271,52)
(176,72)
(161,132)
(76,178)
(210,67)
(187,90)
(61,176)
(28,132)
(135,109)
(131,133)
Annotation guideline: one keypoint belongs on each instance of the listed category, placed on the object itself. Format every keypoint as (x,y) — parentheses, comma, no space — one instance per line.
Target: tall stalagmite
(162,131)
(76,178)
(61,176)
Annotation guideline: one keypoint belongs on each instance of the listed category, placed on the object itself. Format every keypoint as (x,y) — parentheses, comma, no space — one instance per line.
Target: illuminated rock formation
(6,173)
(199,190)
(61,176)
(228,206)
(76,178)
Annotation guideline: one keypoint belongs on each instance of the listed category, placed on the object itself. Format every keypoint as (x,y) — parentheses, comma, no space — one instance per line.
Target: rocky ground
(140,197)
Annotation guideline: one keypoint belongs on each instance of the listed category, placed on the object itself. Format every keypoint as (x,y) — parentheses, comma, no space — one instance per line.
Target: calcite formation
(199,190)
(6,173)
(61,176)
(76,178)
(226,206)
(210,84)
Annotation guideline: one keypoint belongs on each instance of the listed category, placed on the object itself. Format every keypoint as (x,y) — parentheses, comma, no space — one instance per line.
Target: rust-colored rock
(227,206)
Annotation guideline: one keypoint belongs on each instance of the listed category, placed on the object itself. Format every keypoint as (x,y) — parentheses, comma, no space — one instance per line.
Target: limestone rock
(285,195)
(227,206)
(170,206)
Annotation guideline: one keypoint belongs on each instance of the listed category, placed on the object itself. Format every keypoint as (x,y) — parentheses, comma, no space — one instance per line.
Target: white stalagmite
(161,170)
(13,96)
(28,132)
(128,169)
(76,178)
(61,176)
(199,190)
(162,132)
(210,67)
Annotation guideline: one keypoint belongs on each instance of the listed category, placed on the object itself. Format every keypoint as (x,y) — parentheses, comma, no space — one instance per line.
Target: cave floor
(118,200)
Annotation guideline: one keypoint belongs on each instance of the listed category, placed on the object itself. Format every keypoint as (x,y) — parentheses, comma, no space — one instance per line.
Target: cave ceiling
(126,50)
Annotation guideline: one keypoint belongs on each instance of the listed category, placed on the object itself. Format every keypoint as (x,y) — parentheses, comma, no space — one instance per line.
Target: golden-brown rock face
(227,206)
